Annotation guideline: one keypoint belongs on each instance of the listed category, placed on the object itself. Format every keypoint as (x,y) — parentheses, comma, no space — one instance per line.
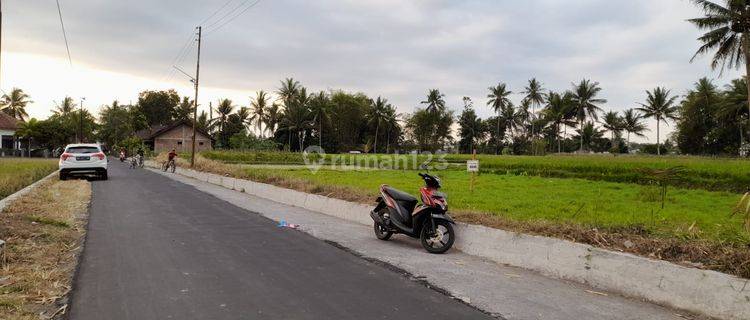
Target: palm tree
(727,34)
(14,104)
(735,103)
(259,105)
(224,109)
(614,124)
(535,96)
(377,115)
(184,110)
(296,117)
(288,90)
(243,114)
(559,110)
(632,122)
(67,106)
(273,117)
(660,106)
(589,132)
(320,107)
(203,122)
(435,101)
(391,121)
(584,96)
(499,101)
(28,130)
(523,116)
(510,118)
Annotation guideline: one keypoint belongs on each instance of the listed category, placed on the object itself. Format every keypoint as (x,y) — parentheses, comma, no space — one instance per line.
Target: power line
(215,12)
(65,36)
(234,17)
(169,71)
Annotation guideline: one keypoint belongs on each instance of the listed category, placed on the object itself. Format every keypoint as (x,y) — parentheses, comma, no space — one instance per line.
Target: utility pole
(195,102)
(80,122)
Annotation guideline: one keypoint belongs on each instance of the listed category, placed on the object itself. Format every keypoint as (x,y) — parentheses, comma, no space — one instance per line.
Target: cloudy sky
(389,48)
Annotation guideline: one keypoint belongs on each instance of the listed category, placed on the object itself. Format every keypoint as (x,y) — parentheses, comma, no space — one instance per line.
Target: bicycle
(140,160)
(168,165)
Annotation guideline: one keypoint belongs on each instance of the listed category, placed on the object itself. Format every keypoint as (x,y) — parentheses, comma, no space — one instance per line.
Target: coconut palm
(660,106)
(614,124)
(435,101)
(14,104)
(523,116)
(585,98)
(734,106)
(272,117)
(391,122)
(296,118)
(589,132)
(560,112)
(727,35)
(67,106)
(535,96)
(377,114)
(243,116)
(499,101)
(320,107)
(259,105)
(28,130)
(288,90)
(632,122)
(224,109)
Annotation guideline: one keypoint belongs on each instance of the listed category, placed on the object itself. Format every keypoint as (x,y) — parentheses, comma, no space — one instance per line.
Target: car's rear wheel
(103,175)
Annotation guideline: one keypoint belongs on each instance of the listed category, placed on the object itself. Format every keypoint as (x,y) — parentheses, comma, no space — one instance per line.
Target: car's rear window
(82,150)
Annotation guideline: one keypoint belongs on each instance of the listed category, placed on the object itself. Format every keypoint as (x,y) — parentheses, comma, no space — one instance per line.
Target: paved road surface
(160,249)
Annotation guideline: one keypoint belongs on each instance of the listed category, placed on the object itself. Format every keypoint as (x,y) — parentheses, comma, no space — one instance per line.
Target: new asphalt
(160,249)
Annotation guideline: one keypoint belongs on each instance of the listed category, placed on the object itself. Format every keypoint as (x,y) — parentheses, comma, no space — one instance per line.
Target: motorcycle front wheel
(439,240)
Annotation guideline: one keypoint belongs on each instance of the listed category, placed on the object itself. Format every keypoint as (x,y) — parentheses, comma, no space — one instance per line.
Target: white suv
(83,159)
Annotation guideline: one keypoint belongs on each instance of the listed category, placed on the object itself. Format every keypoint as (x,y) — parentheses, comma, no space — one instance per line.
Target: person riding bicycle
(172,154)
(140,154)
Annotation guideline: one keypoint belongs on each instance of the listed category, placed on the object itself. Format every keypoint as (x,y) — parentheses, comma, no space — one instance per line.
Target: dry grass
(694,252)
(44,232)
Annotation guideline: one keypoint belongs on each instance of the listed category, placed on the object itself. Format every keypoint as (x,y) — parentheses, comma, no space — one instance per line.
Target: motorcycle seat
(400,195)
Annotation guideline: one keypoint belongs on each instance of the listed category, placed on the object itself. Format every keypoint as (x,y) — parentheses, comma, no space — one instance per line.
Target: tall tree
(66,106)
(499,101)
(660,106)
(727,35)
(184,110)
(272,117)
(28,130)
(733,108)
(632,123)
(224,109)
(14,104)
(158,106)
(697,113)
(614,124)
(376,116)
(560,110)
(259,106)
(435,101)
(288,91)
(320,107)
(470,129)
(535,97)
(296,118)
(585,97)
(115,125)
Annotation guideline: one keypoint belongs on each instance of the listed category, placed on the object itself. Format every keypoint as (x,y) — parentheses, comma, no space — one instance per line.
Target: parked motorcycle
(398,212)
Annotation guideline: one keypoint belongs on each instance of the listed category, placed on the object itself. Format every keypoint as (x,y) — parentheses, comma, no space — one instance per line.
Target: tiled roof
(7,122)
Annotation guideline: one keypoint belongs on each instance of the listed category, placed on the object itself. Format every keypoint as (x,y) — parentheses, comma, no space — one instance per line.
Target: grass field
(17,173)
(699,172)
(605,201)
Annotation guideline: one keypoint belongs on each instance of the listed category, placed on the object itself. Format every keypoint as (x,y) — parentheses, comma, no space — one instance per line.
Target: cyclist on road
(172,155)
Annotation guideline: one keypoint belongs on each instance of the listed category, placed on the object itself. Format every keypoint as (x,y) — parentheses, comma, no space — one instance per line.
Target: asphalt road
(160,249)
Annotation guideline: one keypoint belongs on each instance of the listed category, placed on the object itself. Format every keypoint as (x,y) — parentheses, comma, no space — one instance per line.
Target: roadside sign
(472,165)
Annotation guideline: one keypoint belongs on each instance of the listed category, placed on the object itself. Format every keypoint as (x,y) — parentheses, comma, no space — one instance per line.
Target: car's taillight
(65,156)
(100,155)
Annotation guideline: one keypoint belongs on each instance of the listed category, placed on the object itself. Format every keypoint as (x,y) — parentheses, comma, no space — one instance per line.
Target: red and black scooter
(397,212)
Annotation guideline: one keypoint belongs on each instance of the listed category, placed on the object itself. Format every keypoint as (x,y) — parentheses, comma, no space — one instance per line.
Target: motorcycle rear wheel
(439,241)
(381,231)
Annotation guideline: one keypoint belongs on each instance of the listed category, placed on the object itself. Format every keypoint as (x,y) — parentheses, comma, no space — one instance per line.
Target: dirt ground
(44,232)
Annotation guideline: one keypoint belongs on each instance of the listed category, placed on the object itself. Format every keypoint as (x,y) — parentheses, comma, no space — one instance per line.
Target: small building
(178,136)
(8,127)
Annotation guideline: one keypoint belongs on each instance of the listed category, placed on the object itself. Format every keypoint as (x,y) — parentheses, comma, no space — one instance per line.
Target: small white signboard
(472,165)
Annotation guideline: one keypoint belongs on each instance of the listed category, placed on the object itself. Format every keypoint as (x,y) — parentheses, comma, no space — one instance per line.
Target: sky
(394,49)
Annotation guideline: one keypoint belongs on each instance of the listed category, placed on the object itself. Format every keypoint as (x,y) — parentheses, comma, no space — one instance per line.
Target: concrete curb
(700,291)
(7,200)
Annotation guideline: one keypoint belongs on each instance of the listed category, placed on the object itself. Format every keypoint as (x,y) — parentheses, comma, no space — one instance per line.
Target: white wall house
(8,127)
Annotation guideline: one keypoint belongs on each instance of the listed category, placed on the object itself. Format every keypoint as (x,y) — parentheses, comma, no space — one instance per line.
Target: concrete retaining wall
(701,291)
